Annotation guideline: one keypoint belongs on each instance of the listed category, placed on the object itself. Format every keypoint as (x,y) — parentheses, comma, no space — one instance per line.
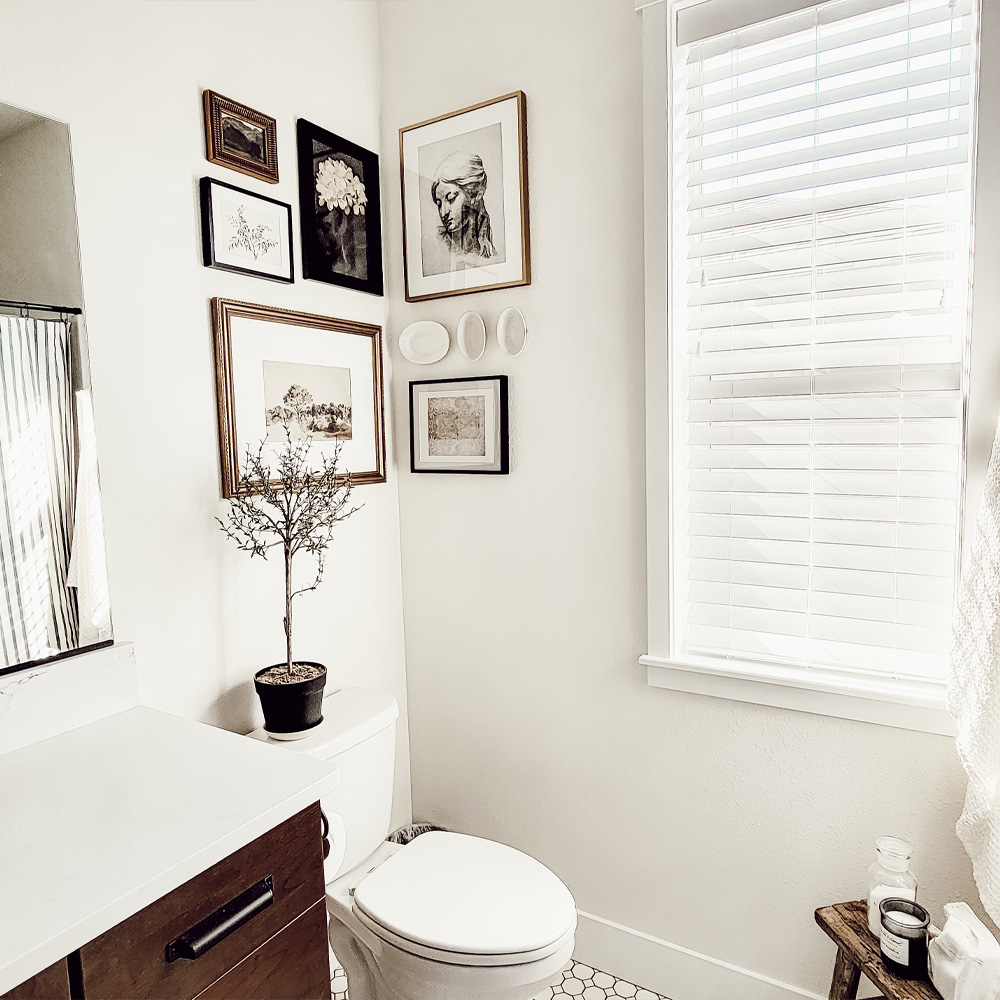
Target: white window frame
(915,705)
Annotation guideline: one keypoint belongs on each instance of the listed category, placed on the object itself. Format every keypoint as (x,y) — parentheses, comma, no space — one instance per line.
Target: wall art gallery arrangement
(464,186)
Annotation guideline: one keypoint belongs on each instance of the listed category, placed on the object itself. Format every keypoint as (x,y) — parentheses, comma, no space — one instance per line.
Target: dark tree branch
(297,511)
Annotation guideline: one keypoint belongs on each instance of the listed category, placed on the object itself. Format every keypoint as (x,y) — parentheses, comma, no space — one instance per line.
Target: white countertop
(98,822)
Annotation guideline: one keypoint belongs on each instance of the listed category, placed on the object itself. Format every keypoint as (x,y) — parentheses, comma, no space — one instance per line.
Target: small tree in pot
(295,507)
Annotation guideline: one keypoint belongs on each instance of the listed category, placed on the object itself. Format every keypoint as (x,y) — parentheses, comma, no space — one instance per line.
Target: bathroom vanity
(131,846)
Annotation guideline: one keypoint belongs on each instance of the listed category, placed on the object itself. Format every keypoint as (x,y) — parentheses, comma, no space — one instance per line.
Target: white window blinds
(820,188)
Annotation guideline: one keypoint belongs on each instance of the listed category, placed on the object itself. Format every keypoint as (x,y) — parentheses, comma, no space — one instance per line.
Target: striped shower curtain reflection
(38,614)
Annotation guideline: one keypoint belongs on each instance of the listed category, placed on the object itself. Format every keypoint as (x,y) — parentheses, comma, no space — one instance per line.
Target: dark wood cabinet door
(293,965)
(129,961)
(50,984)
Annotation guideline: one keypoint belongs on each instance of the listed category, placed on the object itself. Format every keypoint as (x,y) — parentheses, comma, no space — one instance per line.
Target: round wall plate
(512,331)
(471,335)
(424,342)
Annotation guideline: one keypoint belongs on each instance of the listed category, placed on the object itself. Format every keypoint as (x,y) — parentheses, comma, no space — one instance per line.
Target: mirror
(53,569)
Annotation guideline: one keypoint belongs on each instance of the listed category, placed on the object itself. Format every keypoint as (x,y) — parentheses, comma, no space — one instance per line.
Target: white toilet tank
(358,734)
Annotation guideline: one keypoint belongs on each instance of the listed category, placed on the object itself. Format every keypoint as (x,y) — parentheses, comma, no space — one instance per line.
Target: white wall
(128,78)
(712,825)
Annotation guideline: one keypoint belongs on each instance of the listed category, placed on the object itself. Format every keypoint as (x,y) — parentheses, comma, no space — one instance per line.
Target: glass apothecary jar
(888,876)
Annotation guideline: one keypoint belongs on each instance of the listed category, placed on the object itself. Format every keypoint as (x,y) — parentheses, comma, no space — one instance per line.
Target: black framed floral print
(339,210)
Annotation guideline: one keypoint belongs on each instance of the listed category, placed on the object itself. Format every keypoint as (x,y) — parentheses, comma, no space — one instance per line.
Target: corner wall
(128,78)
(701,833)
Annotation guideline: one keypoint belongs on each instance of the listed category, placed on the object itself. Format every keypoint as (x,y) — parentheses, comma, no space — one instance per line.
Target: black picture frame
(218,254)
(495,456)
(340,244)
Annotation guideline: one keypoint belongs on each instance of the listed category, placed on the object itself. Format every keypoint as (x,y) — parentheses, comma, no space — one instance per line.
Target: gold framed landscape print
(240,138)
(464,179)
(331,371)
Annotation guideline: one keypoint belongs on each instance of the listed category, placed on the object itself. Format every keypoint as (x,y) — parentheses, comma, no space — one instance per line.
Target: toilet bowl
(445,917)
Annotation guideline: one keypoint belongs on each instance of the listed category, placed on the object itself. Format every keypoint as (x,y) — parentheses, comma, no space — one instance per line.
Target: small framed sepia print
(240,138)
(465,200)
(329,370)
(245,232)
(459,425)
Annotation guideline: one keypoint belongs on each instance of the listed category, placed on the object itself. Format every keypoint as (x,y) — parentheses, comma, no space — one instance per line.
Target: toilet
(444,917)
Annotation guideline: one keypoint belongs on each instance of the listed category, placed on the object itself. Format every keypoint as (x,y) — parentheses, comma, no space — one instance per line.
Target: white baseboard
(670,969)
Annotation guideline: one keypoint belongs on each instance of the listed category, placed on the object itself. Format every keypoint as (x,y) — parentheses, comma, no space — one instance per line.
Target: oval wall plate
(512,331)
(471,335)
(424,342)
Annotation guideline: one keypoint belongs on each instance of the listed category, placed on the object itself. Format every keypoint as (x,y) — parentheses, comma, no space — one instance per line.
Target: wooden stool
(858,951)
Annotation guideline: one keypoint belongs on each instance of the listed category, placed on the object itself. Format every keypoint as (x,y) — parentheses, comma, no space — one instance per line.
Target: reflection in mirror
(53,570)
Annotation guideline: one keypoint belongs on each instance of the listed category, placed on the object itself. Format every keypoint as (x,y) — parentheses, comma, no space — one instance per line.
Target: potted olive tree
(293,506)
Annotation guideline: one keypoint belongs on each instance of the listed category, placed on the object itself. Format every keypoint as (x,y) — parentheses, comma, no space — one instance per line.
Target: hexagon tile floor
(577,981)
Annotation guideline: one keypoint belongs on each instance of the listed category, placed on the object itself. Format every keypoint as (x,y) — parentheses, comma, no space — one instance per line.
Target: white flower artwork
(339,207)
(339,187)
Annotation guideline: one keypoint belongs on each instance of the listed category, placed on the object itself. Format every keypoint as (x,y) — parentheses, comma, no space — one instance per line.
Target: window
(818,286)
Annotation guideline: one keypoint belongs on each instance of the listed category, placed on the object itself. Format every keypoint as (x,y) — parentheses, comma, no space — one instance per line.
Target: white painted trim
(654,155)
(671,969)
(915,705)
(911,705)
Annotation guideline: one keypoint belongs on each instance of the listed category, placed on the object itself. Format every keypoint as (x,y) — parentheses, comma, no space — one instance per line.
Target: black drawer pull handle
(209,932)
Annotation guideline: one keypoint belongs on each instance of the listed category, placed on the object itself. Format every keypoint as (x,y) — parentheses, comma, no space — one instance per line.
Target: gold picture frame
(464,180)
(262,352)
(240,138)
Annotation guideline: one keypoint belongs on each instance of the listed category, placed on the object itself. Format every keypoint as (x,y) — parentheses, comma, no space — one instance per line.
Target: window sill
(918,706)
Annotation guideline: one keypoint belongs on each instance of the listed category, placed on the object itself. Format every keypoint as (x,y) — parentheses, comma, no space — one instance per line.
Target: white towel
(974,691)
(88,567)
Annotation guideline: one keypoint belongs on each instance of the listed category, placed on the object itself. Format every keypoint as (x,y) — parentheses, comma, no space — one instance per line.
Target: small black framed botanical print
(245,232)
(459,425)
(339,210)
(465,200)
(240,138)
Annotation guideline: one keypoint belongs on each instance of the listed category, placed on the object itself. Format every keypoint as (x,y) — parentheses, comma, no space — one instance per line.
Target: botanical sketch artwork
(316,400)
(245,232)
(456,425)
(251,238)
(461,201)
(242,138)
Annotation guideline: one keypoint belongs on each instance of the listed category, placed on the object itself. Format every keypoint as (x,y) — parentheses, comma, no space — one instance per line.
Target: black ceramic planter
(291,708)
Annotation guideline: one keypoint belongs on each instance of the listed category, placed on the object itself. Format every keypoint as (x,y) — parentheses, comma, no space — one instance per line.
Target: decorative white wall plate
(424,342)
(512,331)
(471,336)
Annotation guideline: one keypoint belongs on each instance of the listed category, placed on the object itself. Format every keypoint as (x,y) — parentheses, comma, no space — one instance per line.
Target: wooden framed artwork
(332,368)
(459,425)
(339,210)
(245,232)
(240,138)
(464,177)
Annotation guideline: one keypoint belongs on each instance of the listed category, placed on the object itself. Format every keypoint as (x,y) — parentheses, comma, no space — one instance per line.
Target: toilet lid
(460,894)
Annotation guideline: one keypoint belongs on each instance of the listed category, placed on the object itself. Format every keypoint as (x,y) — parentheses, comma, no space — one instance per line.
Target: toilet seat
(466,901)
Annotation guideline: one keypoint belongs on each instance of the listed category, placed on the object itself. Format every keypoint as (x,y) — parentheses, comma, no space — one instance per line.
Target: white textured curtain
(38,614)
